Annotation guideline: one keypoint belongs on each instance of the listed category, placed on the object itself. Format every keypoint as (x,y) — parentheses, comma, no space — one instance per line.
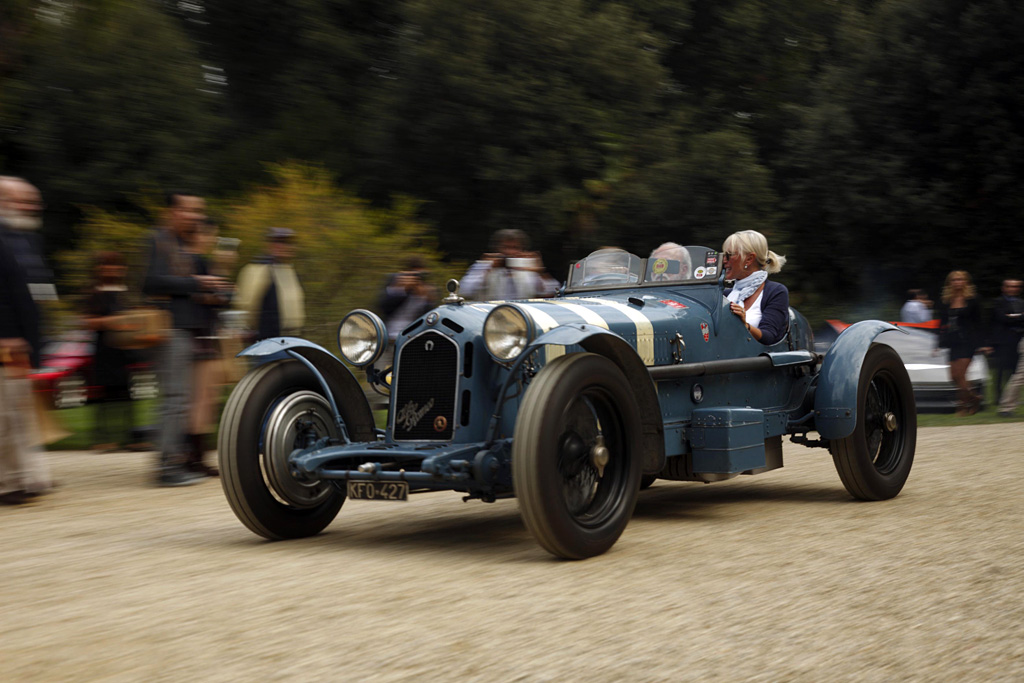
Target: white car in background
(927,365)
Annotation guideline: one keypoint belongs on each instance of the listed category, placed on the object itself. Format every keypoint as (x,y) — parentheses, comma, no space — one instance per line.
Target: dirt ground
(775,577)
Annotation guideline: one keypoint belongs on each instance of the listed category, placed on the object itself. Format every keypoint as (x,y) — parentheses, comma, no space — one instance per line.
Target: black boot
(196,454)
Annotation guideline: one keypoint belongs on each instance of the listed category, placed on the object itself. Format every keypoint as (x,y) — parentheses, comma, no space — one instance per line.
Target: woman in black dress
(114,423)
(960,331)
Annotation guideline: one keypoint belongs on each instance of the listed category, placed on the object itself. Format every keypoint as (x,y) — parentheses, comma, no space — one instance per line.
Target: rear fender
(835,399)
(616,349)
(348,395)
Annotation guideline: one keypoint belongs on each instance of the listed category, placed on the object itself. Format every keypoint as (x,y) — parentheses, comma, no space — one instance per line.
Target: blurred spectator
(172,279)
(918,308)
(269,291)
(677,262)
(115,420)
(208,369)
(1011,392)
(407,296)
(960,332)
(509,271)
(1007,330)
(25,280)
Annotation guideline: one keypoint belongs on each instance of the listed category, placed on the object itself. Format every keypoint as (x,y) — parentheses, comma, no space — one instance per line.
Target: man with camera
(509,271)
(406,296)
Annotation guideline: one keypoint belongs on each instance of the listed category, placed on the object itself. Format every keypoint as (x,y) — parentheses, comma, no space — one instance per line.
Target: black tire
(570,509)
(647,480)
(875,460)
(257,433)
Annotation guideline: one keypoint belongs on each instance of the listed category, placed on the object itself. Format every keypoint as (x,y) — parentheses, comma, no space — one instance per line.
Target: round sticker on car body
(700,272)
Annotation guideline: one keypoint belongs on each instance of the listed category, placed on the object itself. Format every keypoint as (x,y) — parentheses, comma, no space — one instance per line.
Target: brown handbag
(140,328)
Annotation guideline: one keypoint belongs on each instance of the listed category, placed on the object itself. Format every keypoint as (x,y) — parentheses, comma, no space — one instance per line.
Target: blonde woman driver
(762,305)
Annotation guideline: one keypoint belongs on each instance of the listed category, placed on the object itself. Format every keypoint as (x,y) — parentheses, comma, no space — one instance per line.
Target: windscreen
(614,268)
(607,268)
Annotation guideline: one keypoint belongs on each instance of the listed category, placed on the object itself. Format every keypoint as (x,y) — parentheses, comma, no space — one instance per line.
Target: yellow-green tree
(345,247)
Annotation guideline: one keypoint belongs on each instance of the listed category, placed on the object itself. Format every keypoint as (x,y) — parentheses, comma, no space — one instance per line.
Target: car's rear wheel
(576,455)
(275,409)
(875,460)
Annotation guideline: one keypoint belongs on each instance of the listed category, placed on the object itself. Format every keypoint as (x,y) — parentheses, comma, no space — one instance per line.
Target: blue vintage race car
(636,371)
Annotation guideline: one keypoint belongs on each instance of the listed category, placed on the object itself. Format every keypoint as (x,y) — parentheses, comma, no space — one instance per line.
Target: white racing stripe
(588,314)
(545,322)
(644,329)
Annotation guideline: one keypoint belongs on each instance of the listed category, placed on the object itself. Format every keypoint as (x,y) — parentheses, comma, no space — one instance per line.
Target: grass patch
(79,421)
(987,416)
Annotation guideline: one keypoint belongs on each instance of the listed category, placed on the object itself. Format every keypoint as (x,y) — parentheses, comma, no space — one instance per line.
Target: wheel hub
(599,456)
(293,423)
(890,422)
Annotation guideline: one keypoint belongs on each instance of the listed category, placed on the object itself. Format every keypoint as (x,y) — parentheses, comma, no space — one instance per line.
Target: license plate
(378,490)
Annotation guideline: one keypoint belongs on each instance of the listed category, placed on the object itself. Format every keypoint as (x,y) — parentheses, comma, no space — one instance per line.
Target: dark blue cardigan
(774,312)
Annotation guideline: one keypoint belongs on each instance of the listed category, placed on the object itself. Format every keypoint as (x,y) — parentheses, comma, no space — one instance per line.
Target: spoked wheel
(275,409)
(875,460)
(576,455)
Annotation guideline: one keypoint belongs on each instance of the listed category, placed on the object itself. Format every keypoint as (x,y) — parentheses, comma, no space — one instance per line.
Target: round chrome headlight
(362,337)
(507,331)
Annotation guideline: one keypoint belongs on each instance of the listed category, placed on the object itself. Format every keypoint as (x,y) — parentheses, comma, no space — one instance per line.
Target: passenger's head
(958,283)
(1011,287)
(185,212)
(673,254)
(746,252)
(20,204)
(510,242)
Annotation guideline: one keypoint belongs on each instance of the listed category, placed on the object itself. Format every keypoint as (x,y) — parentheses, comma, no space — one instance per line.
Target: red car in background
(66,372)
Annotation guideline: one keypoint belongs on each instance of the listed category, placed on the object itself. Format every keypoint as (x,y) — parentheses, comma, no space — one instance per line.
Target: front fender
(274,348)
(598,340)
(835,399)
(348,395)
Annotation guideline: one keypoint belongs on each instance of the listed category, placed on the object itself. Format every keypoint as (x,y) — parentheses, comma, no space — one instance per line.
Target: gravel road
(778,577)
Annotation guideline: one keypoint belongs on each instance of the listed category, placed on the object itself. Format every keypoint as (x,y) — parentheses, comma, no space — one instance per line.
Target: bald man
(24,281)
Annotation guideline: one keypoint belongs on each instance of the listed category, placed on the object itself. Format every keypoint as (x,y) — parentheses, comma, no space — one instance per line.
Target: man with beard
(25,280)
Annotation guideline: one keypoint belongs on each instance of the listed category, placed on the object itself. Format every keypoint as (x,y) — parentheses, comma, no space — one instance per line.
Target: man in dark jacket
(171,281)
(24,281)
(1007,328)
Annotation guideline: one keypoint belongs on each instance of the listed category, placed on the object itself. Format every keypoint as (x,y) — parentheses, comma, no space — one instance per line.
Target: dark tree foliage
(909,164)
(302,81)
(111,102)
(502,112)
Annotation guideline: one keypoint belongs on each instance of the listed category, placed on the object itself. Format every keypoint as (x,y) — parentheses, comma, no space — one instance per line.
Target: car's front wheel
(576,455)
(875,460)
(275,409)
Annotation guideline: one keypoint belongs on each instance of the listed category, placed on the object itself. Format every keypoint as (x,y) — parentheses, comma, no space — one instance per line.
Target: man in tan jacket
(269,291)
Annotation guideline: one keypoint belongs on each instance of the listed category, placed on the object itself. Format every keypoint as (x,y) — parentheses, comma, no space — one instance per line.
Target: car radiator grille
(428,370)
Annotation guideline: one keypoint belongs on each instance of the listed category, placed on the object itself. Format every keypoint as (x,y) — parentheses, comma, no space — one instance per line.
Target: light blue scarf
(742,289)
